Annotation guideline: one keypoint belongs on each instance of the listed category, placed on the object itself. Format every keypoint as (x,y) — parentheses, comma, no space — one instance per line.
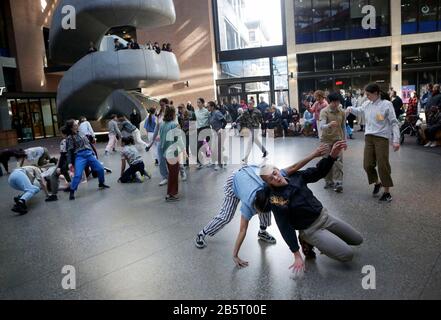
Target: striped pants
(228,209)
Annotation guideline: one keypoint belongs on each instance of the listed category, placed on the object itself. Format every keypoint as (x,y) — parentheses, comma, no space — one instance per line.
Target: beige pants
(336,173)
(376,154)
(332,237)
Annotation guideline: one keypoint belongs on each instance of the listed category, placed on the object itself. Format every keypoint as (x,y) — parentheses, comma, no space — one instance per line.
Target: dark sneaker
(17,199)
(338,188)
(72,196)
(199,241)
(52,198)
(386,197)
(265,236)
(377,189)
(20,208)
(156,163)
(329,185)
(170,198)
(107,170)
(102,186)
(307,249)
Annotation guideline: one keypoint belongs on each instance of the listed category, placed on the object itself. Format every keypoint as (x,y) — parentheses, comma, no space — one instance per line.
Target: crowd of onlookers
(134,45)
(409,113)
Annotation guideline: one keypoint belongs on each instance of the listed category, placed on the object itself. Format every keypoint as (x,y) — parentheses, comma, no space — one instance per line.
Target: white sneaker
(163,182)
(183,176)
(434,145)
(428,144)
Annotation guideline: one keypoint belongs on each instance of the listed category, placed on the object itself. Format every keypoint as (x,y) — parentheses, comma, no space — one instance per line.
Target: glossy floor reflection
(127,243)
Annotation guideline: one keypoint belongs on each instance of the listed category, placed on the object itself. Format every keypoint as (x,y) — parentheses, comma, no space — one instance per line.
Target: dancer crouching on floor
(296,208)
(136,171)
(80,155)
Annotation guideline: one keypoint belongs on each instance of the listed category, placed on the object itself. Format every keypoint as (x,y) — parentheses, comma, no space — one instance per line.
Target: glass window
(428,52)
(409,16)
(305,62)
(257,86)
(55,117)
(303,21)
(230,89)
(256,68)
(282,98)
(249,24)
(357,31)
(379,57)
(231,69)
(361,59)
(428,15)
(4,43)
(341,19)
(322,20)
(25,122)
(323,61)
(410,54)
(342,60)
(37,118)
(280,71)
(47,118)
(382,20)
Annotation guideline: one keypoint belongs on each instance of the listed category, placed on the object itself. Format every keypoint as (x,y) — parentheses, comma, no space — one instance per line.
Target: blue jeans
(82,159)
(162,163)
(20,181)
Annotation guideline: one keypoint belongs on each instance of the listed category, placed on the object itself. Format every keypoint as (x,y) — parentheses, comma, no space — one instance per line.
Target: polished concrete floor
(127,243)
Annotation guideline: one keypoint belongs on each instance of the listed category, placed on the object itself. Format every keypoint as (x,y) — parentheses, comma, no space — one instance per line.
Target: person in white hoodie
(381,125)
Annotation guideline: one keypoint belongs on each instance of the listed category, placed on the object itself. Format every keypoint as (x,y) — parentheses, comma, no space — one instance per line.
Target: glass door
(37,118)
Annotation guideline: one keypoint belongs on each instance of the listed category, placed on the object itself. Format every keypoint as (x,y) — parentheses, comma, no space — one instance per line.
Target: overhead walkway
(86,86)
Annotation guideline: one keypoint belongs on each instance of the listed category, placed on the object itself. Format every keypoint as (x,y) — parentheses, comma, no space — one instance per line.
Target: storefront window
(47,118)
(247,24)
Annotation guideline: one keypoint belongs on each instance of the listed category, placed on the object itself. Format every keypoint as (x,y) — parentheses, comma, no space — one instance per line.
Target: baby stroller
(410,126)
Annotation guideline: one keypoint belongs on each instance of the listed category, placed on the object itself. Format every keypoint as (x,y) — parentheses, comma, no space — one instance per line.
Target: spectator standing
(397,102)
(319,104)
(114,134)
(135,118)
